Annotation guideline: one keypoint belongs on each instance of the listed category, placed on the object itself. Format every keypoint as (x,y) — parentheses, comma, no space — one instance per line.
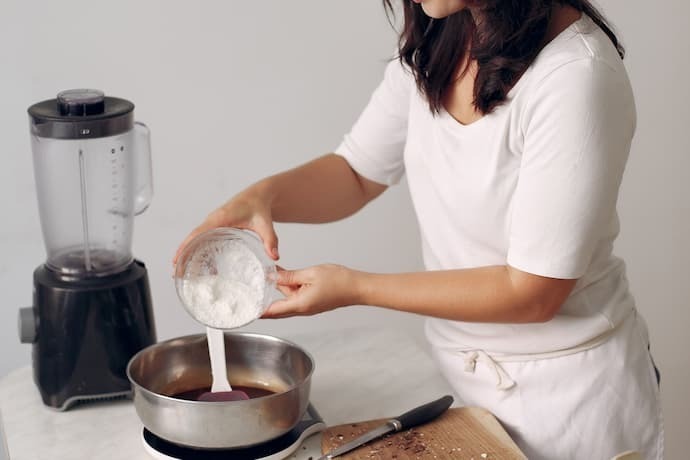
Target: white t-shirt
(532,185)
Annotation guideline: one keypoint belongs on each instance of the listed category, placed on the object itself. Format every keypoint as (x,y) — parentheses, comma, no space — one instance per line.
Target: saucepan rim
(216,403)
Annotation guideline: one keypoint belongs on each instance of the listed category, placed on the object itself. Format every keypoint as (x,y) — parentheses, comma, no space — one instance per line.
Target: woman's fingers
(287,290)
(284,289)
(292,284)
(285,308)
(292,277)
(311,290)
(237,217)
(264,228)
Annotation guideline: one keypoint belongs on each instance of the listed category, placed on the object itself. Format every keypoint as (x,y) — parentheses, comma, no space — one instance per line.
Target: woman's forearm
(487,294)
(323,190)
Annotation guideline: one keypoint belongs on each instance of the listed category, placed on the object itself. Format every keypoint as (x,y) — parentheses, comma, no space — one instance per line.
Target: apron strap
(503,380)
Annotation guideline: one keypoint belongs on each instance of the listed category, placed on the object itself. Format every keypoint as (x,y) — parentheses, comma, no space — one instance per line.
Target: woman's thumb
(290,277)
(268,235)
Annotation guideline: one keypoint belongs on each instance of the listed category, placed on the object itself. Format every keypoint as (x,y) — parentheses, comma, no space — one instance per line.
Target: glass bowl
(224,278)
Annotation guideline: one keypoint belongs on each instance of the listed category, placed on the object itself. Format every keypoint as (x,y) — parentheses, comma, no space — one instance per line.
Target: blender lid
(81,114)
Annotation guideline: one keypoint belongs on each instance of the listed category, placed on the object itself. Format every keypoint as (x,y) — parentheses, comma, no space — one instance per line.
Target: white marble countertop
(360,374)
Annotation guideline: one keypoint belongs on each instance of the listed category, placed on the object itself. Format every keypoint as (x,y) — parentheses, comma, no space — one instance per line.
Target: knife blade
(417,416)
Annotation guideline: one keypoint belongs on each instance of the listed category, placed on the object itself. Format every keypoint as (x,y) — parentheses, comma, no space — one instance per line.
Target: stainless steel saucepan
(182,365)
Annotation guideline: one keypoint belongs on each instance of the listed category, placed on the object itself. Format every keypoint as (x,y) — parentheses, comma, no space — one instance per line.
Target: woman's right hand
(246,210)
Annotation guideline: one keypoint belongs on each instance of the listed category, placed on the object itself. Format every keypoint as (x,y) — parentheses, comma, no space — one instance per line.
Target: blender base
(86,331)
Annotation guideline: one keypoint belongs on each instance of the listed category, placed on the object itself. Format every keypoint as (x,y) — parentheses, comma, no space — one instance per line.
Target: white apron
(591,402)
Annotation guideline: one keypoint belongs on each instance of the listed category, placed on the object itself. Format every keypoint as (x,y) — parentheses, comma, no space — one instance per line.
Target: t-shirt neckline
(451,122)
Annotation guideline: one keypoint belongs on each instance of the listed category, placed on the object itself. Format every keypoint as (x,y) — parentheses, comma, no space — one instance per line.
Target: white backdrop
(234,91)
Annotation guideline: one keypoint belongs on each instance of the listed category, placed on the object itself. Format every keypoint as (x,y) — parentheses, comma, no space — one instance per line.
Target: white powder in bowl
(224,284)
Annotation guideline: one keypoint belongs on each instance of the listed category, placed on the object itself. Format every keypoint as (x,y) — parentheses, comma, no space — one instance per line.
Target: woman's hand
(315,290)
(248,210)
(324,190)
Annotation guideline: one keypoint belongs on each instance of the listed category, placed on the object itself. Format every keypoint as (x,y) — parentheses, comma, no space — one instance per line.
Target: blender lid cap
(81,114)
(81,102)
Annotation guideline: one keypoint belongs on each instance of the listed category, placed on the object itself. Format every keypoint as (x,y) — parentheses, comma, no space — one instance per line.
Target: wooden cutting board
(460,433)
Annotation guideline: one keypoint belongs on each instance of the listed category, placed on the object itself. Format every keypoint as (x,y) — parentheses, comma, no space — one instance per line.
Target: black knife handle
(424,413)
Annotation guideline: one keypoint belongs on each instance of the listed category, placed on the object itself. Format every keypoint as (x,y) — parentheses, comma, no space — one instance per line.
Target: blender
(91,301)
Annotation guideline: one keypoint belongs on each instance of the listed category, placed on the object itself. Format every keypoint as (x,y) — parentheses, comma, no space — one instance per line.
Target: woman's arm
(328,188)
(486,294)
(323,190)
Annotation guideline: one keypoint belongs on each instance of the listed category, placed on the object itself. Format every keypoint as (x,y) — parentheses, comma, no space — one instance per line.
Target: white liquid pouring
(221,391)
(216,352)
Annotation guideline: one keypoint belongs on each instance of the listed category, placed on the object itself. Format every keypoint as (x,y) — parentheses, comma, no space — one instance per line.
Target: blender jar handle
(144,176)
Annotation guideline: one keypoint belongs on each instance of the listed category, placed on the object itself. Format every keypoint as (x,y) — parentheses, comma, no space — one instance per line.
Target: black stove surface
(277,448)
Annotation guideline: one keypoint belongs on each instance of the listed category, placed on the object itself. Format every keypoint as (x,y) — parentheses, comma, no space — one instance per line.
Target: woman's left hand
(314,290)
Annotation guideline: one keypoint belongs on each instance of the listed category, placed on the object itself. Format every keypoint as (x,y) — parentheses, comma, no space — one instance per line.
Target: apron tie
(503,380)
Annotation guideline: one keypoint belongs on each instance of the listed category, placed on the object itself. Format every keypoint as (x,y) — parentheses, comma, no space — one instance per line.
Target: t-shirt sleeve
(577,127)
(374,147)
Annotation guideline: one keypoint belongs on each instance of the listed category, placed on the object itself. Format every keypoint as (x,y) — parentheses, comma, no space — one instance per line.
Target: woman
(512,121)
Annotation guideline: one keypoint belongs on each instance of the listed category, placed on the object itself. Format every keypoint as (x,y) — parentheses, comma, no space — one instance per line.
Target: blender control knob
(27,325)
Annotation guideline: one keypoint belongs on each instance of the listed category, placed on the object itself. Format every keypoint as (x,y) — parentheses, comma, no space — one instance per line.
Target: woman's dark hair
(504,42)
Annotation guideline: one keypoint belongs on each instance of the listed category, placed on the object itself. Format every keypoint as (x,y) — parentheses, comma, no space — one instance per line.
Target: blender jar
(92,165)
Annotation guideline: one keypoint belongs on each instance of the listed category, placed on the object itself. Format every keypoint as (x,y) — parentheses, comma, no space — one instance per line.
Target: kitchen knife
(417,416)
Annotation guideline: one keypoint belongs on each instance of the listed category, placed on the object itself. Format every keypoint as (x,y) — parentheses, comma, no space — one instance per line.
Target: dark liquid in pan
(252,392)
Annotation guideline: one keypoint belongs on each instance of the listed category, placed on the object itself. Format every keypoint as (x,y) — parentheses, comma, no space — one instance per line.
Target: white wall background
(234,91)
